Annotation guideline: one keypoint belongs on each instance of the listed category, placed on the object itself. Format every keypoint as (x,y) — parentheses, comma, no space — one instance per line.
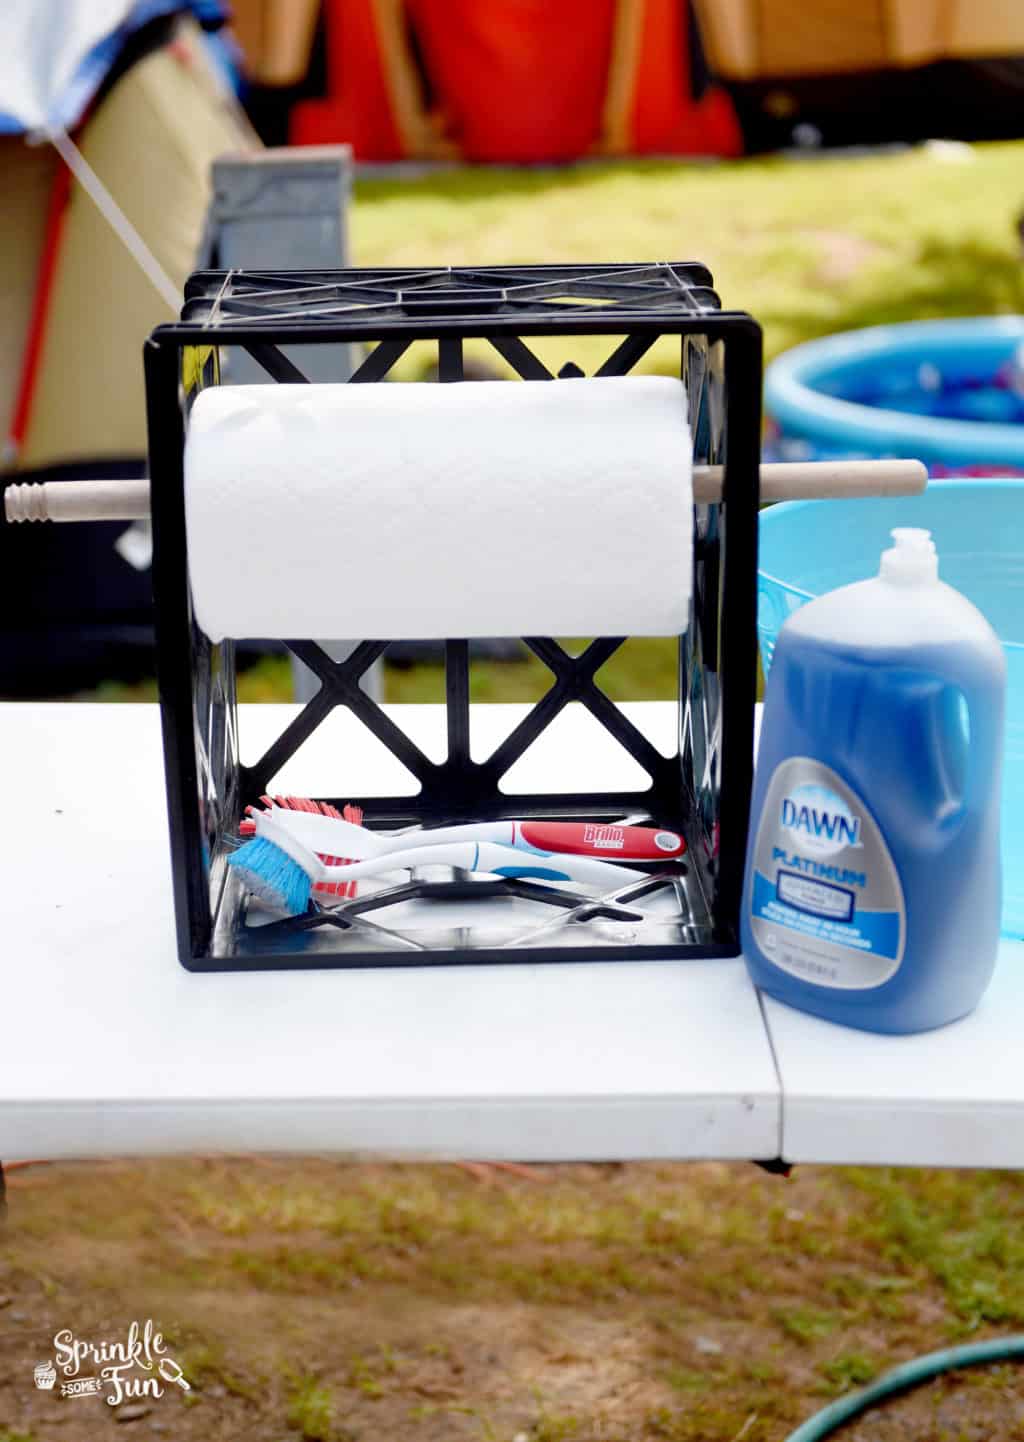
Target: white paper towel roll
(422,511)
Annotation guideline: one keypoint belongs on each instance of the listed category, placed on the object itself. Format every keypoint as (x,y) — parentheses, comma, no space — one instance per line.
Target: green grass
(807,246)
(311,1411)
(807,1324)
(955,1236)
(644,669)
(637,1303)
(942,1230)
(853,1369)
(555,1428)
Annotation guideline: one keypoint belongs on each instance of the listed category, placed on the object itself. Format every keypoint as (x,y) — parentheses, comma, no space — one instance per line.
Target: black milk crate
(702,790)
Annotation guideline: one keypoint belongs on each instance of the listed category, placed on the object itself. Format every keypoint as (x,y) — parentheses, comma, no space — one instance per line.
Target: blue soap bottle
(872,887)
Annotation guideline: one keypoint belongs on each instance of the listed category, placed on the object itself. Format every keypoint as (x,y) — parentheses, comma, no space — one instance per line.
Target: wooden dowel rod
(78,501)
(821,480)
(129,500)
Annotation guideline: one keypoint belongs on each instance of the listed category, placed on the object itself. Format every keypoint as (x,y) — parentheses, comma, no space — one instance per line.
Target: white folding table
(111,1047)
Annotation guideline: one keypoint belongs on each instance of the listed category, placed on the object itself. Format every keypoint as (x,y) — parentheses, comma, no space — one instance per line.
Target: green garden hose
(900,1379)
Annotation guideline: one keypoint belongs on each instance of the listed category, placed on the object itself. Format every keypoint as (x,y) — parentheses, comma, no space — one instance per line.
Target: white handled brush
(321,827)
(278,868)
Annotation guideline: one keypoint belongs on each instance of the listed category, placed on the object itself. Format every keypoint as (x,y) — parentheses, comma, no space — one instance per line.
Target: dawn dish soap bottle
(872,890)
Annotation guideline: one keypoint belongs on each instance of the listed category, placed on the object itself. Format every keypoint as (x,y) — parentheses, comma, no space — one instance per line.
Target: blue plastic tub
(808,547)
(949,393)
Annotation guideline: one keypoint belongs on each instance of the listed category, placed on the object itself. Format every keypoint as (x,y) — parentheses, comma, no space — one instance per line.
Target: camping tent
(85,276)
(515,81)
(751,39)
(870,69)
(55,55)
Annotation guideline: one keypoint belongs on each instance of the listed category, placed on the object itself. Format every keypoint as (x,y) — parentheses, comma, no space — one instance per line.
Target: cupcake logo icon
(45,1376)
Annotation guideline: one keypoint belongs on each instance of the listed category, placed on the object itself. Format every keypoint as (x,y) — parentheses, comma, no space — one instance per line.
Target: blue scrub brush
(278,869)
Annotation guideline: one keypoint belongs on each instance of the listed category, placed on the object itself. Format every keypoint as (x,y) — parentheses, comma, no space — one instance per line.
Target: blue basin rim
(956,347)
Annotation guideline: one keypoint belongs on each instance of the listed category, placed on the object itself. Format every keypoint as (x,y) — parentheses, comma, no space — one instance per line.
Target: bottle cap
(911,560)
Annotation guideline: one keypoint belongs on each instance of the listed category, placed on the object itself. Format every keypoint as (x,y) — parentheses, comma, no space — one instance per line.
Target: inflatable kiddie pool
(949,393)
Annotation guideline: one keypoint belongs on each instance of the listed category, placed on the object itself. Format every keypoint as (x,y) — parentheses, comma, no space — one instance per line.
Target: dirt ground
(329,1301)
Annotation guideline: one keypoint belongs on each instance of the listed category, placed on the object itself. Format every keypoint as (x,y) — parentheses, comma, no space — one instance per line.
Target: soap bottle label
(826,903)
